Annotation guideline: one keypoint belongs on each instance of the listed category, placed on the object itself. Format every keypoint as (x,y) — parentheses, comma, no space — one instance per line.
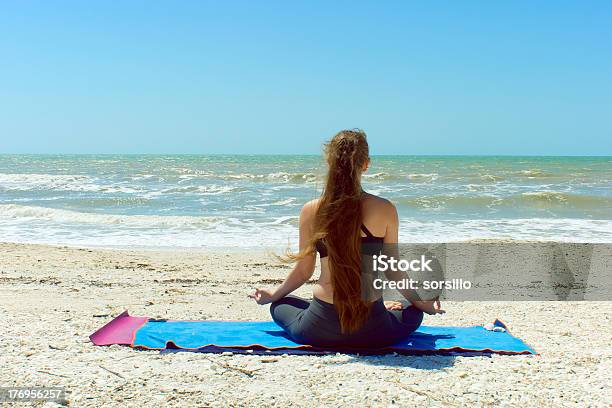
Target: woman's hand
(393,305)
(431,307)
(263,296)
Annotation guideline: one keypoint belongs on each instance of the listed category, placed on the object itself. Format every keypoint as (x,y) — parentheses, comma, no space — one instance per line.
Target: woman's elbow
(306,272)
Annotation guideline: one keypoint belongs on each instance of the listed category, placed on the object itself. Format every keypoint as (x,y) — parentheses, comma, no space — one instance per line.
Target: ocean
(231,201)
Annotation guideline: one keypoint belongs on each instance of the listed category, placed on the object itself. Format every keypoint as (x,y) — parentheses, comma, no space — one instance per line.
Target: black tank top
(368,239)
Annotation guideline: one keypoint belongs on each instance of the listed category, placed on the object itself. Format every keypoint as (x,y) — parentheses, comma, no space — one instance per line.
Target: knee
(274,312)
(413,316)
(277,303)
(421,315)
(286,310)
(273,307)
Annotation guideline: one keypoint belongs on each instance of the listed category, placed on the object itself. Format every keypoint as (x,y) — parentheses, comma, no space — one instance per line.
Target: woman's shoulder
(378,203)
(310,208)
(378,214)
(373,204)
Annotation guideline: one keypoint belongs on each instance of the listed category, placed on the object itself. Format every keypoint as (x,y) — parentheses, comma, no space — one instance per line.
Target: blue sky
(439,77)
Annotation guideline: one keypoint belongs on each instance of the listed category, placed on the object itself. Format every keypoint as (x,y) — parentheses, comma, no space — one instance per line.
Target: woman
(335,226)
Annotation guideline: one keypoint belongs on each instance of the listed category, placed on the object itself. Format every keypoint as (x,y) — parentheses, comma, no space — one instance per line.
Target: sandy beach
(53,297)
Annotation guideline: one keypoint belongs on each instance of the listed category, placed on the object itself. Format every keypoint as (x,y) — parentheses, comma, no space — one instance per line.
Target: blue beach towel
(239,336)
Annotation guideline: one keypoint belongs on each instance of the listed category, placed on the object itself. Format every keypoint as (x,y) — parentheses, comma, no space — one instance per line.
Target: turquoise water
(253,201)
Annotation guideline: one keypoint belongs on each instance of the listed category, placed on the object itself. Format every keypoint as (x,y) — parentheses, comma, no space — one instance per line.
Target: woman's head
(338,223)
(347,155)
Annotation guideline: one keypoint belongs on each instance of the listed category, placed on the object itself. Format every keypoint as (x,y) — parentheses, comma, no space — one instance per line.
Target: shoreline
(259,250)
(133,248)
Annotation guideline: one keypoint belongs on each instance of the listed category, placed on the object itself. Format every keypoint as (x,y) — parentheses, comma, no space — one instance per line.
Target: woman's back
(377,221)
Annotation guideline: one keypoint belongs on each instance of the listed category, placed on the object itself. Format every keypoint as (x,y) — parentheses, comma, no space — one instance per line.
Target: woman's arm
(303,269)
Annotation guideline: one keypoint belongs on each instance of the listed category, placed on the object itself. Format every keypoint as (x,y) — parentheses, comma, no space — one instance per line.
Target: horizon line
(303,154)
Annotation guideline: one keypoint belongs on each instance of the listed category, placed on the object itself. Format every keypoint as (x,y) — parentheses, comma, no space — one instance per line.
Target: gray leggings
(316,323)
